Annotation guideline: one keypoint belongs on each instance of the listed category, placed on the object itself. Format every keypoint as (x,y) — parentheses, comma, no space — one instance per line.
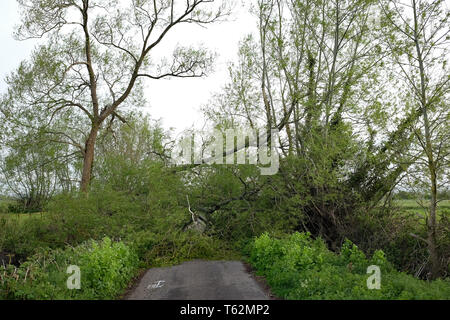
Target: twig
(189,206)
(418,237)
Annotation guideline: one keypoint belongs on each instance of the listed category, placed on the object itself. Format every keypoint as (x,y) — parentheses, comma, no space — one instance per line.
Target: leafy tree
(33,171)
(127,152)
(419,43)
(313,72)
(91,66)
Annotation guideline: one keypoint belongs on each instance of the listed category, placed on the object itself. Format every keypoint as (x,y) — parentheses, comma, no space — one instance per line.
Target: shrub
(22,236)
(299,267)
(3,206)
(106,269)
(73,219)
(104,213)
(171,248)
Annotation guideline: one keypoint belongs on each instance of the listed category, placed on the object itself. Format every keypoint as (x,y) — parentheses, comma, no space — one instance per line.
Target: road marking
(156,285)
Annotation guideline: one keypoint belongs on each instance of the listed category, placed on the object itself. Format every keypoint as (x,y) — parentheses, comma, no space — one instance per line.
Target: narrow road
(199,280)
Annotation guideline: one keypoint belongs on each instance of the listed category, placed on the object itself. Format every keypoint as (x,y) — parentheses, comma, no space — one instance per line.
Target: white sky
(176,101)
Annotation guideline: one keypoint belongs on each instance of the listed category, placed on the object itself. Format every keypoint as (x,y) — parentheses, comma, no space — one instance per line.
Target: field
(414,204)
(5,212)
(20,216)
(418,208)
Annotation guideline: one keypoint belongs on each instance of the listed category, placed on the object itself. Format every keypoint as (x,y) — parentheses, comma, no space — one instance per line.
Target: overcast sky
(177,101)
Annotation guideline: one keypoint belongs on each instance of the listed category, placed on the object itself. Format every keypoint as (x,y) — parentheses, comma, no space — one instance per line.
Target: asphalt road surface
(199,280)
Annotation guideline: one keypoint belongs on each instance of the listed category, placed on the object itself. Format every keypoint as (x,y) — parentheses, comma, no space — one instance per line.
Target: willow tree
(312,71)
(419,38)
(92,62)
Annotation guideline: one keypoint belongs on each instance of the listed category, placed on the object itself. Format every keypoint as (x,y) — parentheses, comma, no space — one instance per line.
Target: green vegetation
(174,248)
(298,267)
(91,180)
(106,268)
(110,236)
(21,216)
(414,206)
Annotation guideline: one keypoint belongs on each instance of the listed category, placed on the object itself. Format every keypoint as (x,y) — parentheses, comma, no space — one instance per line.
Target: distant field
(20,216)
(14,216)
(414,205)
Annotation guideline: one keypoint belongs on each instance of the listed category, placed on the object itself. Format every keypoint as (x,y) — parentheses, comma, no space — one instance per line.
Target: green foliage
(172,248)
(76,218)
(390,228)
(21,237)
(150,223)
(4,206)
(299,267)
(106,269)
(103,213)
(33,169)
(339,159)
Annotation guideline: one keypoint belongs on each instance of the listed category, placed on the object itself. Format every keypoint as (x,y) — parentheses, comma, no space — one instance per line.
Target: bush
(22,236)
(4,206)
(156,250)
(104,213)
(106,269)
(73,219)
(299,267)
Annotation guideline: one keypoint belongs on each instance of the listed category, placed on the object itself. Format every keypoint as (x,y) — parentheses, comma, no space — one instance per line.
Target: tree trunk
(428,148)
(89,159)
(432,247)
